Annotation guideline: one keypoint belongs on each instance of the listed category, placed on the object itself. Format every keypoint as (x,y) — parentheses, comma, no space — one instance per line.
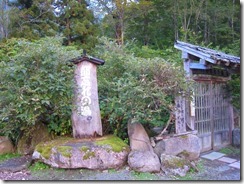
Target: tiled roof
(209,55)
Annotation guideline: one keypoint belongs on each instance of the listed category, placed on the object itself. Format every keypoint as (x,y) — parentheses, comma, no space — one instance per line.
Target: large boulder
(142,157)
(144,161)
(98,153)
(138,137)
(187,146)
(173,165)
(31,138)
(6,145)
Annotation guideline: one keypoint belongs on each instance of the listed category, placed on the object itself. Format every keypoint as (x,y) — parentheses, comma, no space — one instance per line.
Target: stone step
(236,165)
(213,155)
(227,160)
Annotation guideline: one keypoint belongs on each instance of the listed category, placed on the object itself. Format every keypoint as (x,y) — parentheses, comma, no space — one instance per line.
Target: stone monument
(86,119)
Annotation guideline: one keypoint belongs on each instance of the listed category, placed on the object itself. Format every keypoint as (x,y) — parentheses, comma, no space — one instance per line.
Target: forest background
(143,72)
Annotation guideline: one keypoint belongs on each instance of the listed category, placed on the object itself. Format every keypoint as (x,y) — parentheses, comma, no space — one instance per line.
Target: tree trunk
(86,119)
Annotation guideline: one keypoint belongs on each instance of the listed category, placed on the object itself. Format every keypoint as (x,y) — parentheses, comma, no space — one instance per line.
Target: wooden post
(86,119)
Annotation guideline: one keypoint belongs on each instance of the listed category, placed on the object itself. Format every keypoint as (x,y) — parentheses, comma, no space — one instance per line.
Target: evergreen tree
(35,19)
(76,22)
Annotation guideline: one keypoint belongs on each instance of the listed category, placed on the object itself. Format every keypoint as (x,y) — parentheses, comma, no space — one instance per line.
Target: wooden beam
(199,66)
(202,61)
(184,55)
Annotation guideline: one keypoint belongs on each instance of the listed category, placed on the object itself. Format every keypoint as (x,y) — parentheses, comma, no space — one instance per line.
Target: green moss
(45,148)
(116,143)
(65,150)
(175,162)
(84,148)
(88,155)
(185,153)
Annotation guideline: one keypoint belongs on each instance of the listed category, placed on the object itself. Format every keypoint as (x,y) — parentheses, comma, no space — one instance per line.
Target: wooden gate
(213,116)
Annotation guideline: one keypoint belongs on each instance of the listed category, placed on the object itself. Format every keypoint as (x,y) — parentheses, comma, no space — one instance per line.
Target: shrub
(36,86)
(134,88)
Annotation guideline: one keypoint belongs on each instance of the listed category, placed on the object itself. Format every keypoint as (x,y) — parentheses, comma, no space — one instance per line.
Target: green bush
(234,88)
(135,89)
(36,86)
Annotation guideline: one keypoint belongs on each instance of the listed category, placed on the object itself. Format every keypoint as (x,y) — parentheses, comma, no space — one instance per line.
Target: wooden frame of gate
(210,113)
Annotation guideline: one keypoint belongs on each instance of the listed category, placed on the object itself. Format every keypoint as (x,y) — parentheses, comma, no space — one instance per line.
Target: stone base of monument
(101,153)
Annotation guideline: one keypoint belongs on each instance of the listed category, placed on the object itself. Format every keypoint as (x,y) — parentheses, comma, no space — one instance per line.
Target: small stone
(171,164)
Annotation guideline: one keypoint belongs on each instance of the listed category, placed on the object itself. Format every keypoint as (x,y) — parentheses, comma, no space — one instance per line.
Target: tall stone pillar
(86,119)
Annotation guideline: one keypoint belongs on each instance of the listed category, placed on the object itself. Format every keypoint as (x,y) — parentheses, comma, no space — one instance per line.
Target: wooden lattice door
(213,117)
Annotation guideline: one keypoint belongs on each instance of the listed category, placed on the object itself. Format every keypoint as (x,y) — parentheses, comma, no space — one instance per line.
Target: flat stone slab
(227,160)
(236,165)
(213,155)
(16,164)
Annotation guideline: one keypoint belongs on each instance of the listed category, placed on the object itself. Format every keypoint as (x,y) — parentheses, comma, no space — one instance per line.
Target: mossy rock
(45,148)
(174,165)
(95,153)
(115,142)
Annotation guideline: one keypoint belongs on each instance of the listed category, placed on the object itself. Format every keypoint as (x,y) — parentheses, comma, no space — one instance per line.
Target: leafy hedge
(135,89)
(36,86)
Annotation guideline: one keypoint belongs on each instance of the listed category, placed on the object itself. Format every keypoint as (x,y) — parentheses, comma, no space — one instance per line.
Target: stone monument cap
(91,59)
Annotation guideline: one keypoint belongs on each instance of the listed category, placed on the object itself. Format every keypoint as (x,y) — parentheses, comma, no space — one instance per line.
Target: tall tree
(76,22)
(35,19)
(4,19)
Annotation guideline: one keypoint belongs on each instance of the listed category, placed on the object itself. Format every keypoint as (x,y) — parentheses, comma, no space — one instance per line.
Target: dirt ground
(208,170)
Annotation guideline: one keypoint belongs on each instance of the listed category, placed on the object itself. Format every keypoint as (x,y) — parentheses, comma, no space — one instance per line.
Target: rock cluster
(187,146)
(172,155)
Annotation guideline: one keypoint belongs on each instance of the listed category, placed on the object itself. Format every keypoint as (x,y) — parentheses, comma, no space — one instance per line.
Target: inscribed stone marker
(86,119)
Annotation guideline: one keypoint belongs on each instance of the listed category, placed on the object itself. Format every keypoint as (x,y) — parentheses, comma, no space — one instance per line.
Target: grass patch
(7,156)
(229,150)
(190,174)
(143,176)
(112,171)
(38,166)
(115,142)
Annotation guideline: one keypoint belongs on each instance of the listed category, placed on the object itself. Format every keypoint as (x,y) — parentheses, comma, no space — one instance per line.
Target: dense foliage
(135,89)
(36,86)
(142,74)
